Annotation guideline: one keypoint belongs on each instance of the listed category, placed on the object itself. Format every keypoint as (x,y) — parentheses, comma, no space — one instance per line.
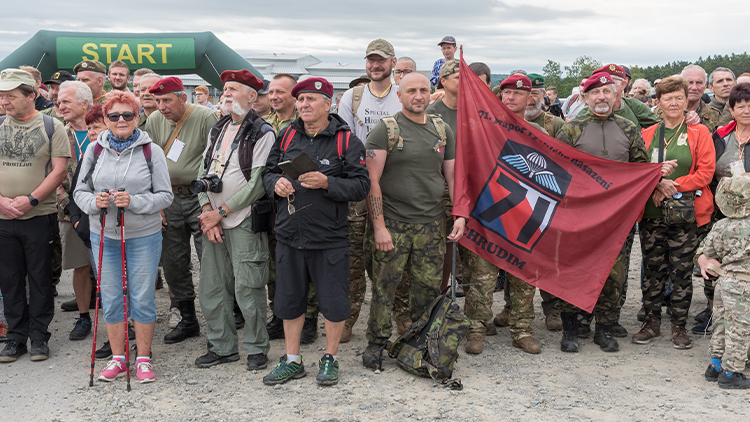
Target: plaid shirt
(436,71)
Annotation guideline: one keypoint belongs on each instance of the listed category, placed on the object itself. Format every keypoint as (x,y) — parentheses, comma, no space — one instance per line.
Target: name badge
(176,150)
(655,155)
(682,140)
(737,168)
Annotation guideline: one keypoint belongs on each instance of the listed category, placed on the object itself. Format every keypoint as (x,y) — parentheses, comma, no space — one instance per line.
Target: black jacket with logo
(324,224)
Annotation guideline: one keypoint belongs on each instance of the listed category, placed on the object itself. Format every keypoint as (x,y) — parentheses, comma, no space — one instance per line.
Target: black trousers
(26,254)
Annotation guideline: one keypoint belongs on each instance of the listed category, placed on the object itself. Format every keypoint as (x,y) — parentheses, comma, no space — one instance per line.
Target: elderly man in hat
(92,73)
(311,226)
(235,252)
(181,130)
(615,138)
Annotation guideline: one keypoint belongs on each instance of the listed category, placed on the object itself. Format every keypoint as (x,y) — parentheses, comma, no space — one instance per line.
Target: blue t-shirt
(82,142)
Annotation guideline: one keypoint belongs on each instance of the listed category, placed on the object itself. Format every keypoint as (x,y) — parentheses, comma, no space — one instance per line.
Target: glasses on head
(115,117)
(291,207)
(402,72)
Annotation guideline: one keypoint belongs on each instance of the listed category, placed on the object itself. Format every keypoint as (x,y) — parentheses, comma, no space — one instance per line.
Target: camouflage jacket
(709,116)
(726,116)
(635,111)
(62,193)
(279,125)
(611,137)
(729,243)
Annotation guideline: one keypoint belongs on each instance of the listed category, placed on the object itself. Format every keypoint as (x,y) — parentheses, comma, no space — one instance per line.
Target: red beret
(318,85)
(167,85)
(612,69)
(517,81)
(242,76)
(596,80)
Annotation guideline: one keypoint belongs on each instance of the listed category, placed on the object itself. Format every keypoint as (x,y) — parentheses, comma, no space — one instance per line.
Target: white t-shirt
(370,110)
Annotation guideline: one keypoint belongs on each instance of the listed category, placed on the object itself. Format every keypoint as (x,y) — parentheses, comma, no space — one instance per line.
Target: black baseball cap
(448,39)
(59,77)
(264,90)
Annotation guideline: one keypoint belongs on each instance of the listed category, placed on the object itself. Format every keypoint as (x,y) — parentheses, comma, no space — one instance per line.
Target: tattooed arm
(375,164)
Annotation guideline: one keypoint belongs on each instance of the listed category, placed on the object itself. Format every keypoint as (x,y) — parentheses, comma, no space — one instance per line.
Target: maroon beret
(596,80)
(167,85)
(318,85)
(243,76)
(517,81)
(611,69)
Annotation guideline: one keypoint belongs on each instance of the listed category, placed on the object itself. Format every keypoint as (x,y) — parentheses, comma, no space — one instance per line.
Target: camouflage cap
(92,65)
(733,196)
(537,80)
(11,79)
(380,47)
(449,68)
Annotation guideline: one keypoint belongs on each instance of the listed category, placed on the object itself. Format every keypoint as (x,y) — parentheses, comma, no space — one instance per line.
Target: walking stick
(121,223)
(102,218)
(453,272)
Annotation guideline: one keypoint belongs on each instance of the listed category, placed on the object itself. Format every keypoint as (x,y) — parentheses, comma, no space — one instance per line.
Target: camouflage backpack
(394,132)
(429,348)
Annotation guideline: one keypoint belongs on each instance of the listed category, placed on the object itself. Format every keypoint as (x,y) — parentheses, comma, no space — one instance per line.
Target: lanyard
(80,145)
(741,144)
(674,135)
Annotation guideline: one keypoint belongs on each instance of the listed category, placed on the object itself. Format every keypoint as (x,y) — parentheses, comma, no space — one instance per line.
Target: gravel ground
(639,383)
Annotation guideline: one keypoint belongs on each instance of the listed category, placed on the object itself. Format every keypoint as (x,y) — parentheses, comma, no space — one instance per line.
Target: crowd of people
(292,206)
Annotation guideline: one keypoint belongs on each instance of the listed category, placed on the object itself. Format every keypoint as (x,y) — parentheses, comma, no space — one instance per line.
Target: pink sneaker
(114,369)
(144,372)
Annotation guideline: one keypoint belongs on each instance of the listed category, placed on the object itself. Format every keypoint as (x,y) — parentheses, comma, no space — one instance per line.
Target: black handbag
(679,208)
(262,216)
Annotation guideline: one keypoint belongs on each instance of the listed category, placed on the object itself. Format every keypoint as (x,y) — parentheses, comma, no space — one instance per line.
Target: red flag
(552,215)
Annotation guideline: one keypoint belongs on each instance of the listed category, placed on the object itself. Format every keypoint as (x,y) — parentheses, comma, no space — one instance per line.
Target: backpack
(429,348)
(341,144)
(258,129)
(549,124)
(394,133)
(49,129)
(357,93)
(98,148)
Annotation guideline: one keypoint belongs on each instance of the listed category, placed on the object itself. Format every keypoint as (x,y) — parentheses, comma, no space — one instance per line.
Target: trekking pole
(121,223)
(453,272)
(102,218)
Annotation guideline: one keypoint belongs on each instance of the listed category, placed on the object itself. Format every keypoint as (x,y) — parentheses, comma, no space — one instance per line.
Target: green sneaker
(328,373)
(284,371)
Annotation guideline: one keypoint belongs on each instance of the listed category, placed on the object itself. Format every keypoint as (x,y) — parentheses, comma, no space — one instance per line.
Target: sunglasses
(115,117)
(291,208)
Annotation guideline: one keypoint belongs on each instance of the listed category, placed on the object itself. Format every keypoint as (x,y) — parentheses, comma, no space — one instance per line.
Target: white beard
(531,114)
(236,109)
(602,108)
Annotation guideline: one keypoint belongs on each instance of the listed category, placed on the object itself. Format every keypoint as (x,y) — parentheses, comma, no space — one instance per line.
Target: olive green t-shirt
(412,182)
(194,135)
(679,150)
(24,155)
(449,115)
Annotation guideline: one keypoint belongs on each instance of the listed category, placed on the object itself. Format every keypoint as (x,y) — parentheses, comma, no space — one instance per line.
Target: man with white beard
(551,123)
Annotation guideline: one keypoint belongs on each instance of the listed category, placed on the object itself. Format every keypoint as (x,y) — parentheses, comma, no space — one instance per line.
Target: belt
(718,270)
(181,190)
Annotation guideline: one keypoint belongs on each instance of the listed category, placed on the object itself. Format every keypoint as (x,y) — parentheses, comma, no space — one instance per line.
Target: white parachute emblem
(534,166)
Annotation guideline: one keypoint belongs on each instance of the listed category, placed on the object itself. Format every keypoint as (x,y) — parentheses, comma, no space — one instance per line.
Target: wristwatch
(222,212)
(33,201)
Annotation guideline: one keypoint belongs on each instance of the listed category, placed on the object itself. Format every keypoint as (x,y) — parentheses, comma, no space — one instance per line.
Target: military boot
(275,328)
(528,345)
(373,356)
(501,319)
(188,326)
(569,341)
(650,331)
(603,337)
(346,335)
(309,330)
(474,343)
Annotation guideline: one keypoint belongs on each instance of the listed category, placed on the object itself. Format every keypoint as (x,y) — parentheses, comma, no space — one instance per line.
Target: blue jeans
(142,256)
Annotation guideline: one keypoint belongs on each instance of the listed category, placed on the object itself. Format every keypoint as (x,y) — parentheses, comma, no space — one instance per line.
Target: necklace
(384,92)
(27,118)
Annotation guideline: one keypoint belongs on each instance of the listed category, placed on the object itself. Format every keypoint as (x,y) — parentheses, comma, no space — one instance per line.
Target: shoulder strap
(178,128)
(440,127)
(342,142)
(661,142)
(549,123)
(147,155)
(97,152)
(357,93)
(287,139)
(394,134)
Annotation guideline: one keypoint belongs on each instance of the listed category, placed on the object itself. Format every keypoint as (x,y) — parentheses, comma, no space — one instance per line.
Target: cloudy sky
(504,34)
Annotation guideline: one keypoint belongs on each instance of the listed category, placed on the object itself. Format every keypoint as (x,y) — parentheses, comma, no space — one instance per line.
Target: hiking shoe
(705,328)
(703,315)
(553,322)
(736,381)
(490,330)
(346,335)
(12,351)
(618,330)
(712,373)
(402,326)
(144,372)
(528,345)
(603,338)
(275,328)
(257,361)
(81,329)
(212,359)
(284,371)
(501,319)
(641,314)
(680,337)
(174,318)
(650,331)
(115,369)
(39,350)
(373,356)
(309,331)
(104,352)
(474,343)
(328,370)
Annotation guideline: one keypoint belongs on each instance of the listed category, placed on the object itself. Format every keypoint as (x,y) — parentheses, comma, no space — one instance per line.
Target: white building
(337,73)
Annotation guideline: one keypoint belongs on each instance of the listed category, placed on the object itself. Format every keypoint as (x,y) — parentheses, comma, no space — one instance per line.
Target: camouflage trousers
(608,303)
(479,279)
(423,247)
(709,286)
(312,300)
(668,254)
(521,307)
(731,337)
(549,301)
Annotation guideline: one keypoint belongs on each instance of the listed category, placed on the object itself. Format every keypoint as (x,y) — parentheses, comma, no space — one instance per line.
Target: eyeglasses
(291,208)
(115,117)
(404,71)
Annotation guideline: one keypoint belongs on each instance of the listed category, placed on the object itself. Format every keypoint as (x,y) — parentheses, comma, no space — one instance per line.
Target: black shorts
(326,269)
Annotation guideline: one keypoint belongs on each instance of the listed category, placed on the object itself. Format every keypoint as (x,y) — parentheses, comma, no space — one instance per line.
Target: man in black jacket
(311,224)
